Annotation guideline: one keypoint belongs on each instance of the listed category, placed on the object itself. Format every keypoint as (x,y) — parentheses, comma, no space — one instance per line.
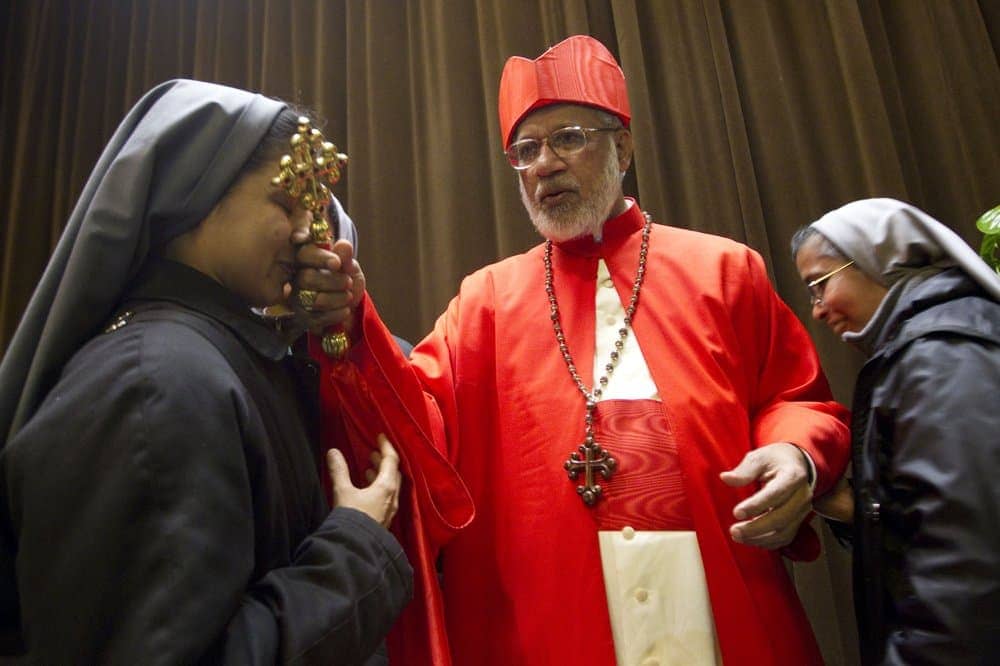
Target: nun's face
(848,298)
(246,244)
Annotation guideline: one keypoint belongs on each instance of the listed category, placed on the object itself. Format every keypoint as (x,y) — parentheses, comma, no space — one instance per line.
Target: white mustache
(552,187)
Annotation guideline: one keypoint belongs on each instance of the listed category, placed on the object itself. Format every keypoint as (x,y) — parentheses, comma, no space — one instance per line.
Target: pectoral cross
(594,458)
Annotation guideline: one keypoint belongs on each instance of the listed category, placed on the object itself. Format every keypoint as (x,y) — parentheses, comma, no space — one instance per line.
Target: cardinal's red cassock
(484,414)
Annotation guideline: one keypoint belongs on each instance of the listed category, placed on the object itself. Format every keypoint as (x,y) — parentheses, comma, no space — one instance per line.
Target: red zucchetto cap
(577,70)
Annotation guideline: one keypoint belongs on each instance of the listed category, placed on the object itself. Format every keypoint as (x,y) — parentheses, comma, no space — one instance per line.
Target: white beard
(577,217)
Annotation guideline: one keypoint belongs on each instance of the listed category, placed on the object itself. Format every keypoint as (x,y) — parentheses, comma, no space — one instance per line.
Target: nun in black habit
(160,493)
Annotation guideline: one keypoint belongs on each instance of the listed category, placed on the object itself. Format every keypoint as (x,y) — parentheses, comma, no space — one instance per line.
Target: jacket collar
(614,234)
(165,280)
(943,302)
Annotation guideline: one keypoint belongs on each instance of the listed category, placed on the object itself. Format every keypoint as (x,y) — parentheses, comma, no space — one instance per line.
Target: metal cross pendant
(594,458)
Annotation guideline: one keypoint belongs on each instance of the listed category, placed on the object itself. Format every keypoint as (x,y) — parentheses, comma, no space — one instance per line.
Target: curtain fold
(751,118)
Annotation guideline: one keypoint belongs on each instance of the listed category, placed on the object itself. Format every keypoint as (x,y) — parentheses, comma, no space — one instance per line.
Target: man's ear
(623,147)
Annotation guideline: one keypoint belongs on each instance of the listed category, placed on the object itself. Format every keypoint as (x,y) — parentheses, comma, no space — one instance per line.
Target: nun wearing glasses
(925,504)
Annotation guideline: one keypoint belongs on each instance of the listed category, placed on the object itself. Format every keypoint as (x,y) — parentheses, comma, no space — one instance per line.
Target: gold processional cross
(307,175)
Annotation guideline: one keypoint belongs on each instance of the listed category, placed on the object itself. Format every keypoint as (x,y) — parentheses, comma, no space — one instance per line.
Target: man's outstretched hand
(771,517)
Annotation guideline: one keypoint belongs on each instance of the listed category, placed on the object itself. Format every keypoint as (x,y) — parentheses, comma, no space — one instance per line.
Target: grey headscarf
(171,159)
(890,240)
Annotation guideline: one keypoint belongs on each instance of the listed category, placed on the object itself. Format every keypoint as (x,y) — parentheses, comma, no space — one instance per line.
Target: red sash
(646,492)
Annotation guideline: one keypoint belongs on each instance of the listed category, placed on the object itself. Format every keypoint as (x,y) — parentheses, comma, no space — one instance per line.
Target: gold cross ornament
(307,174)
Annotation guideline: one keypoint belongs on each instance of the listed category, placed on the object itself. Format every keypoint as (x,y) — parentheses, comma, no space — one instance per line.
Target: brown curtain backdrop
(751,118)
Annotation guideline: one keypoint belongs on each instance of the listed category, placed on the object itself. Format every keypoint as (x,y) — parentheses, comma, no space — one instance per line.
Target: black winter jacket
(926,455)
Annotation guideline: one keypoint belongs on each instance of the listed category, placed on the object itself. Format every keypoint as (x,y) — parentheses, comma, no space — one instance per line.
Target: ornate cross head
(595,459)
(309,172)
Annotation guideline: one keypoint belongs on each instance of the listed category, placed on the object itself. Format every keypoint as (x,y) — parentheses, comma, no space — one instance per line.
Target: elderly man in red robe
(637,419)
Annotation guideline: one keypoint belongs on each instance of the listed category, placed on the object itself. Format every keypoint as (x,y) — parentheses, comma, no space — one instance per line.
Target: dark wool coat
(161,511)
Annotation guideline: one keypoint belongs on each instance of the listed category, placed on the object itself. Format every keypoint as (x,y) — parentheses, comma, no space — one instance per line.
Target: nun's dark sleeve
(145,517)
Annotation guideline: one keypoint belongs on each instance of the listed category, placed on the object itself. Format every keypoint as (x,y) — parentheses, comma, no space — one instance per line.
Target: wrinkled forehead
(547,119)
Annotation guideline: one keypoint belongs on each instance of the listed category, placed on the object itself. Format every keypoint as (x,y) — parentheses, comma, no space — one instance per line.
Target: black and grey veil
(170,160)
(890,240)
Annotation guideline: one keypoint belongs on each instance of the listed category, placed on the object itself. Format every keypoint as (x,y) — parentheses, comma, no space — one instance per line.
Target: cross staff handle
(307,174)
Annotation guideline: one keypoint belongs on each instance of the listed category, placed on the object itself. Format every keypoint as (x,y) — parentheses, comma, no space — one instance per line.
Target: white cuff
(812,468)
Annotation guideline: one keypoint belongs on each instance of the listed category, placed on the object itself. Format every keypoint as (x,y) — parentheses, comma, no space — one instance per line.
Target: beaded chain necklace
(590,456)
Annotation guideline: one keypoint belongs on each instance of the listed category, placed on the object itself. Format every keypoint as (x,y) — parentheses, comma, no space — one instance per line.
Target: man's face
(573,195)
(249,230)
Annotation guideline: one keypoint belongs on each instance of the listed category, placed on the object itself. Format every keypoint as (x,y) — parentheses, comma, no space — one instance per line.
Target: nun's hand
(838,504)
(328,286)
(380,499)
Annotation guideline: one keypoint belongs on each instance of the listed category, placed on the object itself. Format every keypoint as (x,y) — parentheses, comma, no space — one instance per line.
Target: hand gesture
(771,517)
(380,499)
(328,286)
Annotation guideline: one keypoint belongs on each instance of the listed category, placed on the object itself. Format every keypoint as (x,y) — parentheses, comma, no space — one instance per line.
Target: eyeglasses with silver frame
(564,142)
(817,286)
